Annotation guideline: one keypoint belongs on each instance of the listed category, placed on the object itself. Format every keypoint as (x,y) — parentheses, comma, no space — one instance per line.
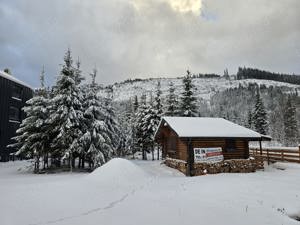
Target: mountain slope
(205,87)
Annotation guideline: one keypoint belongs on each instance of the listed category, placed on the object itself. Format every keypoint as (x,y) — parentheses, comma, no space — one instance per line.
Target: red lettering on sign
(211,154)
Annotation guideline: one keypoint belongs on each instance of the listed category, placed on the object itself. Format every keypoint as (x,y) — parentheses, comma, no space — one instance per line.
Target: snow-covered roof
(12,78)
(207,127)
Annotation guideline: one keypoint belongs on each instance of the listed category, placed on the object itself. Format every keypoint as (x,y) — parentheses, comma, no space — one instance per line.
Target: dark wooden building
(203,139)
(13,96)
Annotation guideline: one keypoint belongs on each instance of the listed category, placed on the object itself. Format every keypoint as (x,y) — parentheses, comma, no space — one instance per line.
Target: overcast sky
(148,38)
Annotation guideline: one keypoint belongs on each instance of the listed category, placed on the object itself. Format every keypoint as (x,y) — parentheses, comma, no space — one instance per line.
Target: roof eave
(262,138)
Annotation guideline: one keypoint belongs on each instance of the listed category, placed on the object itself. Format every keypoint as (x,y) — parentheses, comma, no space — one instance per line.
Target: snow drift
(119,171)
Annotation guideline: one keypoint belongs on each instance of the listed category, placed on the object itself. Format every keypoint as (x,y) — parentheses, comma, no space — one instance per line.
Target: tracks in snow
(100,209)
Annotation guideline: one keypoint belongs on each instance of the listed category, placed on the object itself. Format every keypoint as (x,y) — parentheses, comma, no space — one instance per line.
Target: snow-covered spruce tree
(148,125)
(172,102)
(291,132)
(135,104)
(158,112)
(135,144)
(95,141)
(82,91)
(188,101)
(110,119)
(78,74)
(249,120)
(139,128)
(66,114)
(157,106)
(32,140)
(259,116)
(125,118)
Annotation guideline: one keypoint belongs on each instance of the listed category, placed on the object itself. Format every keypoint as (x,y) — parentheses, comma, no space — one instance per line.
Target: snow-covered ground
(146,192)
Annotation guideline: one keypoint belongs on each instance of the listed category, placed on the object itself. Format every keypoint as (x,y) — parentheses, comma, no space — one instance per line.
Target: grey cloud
(123,42)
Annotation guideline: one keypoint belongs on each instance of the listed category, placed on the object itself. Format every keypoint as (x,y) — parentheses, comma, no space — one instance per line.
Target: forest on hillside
(250,73)
(238,105)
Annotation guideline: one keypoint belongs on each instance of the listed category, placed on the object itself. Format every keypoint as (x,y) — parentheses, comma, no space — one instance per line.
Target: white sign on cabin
(208,154)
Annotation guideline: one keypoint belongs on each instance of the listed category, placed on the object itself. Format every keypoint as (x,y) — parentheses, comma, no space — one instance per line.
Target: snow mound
(285,165)
(118,171)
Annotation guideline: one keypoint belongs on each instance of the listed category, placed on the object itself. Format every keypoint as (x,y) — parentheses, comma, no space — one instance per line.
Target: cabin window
(16,92)
(230,145)
(14,113)
(172,142)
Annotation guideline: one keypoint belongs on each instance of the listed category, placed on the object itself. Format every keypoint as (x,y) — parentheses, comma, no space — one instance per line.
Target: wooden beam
(260,147)
(190,160)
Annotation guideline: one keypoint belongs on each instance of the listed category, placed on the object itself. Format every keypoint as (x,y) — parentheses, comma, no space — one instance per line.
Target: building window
(230,145)
(14,114)
(16,92)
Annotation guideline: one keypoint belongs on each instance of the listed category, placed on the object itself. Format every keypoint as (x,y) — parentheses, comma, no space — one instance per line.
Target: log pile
(176,164)
(226,166)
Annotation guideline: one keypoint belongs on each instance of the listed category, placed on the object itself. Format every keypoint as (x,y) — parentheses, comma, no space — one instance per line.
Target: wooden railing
(283,154)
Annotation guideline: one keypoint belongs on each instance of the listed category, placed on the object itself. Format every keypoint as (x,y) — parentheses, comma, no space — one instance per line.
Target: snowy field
(143,192)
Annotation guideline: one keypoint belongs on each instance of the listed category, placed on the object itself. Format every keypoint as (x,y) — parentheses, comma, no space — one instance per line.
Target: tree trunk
(44,162)
(37,164)
(70,162)
(143,153)
(158,152)
(152,149)
(47,160)
(82,162)
(73,162)
(79,162)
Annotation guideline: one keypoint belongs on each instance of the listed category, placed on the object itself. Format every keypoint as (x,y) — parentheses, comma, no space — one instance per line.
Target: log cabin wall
(182,150)
(177,148)
(172,146)
(231,148)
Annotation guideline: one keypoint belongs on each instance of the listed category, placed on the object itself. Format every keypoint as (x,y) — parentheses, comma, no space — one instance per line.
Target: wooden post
(282,157)
(260,147)
(190,163)
(268,159)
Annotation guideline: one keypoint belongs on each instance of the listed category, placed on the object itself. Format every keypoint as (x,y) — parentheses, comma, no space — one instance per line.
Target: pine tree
(249,119)
(96,142)
(66,113)
(226,74)
(135,144)
(139,126)
(188,101)
(32,139)
(82,91)
(148,128)
(112,123)
(291,132)
(126,126)
(135,104)
(172,103)
(157,106)
(259,117)
(78,73)
(157,114)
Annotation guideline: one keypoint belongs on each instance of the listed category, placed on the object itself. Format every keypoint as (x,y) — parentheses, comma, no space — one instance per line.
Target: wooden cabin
(13,96)
(203,139)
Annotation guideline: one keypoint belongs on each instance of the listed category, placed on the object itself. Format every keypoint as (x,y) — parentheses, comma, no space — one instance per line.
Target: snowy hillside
(206,87)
